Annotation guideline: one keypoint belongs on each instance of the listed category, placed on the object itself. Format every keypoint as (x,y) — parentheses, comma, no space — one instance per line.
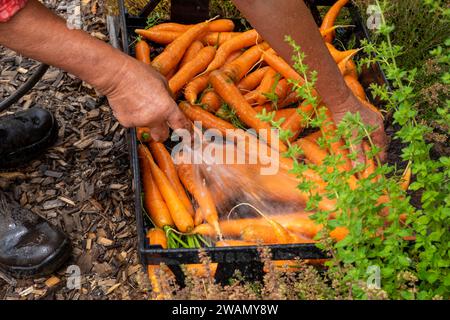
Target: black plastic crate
(229,259)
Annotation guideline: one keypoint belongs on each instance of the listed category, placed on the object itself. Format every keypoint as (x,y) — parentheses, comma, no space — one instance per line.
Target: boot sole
(46,267)
(32,151)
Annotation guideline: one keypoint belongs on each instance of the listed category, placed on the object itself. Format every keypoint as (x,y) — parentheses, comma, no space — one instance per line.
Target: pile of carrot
(209,65)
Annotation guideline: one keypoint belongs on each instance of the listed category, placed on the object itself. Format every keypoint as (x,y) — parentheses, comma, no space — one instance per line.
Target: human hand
(139,97)
(370,118)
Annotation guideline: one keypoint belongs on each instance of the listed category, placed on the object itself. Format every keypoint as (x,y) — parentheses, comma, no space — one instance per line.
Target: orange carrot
(284,113)
(170,26)
(292,97)
(370,164)
(198,219)
(312,151)
(174,52)
(355,87)
(153,201)
(234,243)
(142,51)
(337,147)
(406,178)
(197,187)
(339,233)
(245,39)
(161,37)
(143,134)
(181,217)
(338,55)
(251,81)
(267,106)
(218,38)
(348,67)
(152,271)
(330,18)
(170,74)
(282,89)
(233,56)
(216,25)
(165,163)
(208,120)
(211,101)
(191,52)
(234,227)
(225,87)
(314,137)
(237,69)
(266,85)
(281,66)
(191,69)
(268,234)
(194,87)
(157,236)
(296,122)
(221,25)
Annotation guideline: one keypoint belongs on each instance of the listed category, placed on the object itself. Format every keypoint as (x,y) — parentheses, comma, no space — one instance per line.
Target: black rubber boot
(29,245)
(25,135)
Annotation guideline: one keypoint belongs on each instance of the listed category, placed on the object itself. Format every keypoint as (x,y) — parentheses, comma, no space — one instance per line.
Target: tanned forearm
(136,92)
(39,34)
(276,19)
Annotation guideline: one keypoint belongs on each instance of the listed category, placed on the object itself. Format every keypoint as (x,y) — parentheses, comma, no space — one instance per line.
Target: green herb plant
(377,253)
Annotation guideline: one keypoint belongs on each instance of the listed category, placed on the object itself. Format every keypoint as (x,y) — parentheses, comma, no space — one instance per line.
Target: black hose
(24,88)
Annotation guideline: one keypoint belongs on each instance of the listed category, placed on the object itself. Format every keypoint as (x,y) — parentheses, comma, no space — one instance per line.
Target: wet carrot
(153,201)
(174,52)
(268,234)
(165,163)
(198,189)
(181,217)
(191,69)
(225,87)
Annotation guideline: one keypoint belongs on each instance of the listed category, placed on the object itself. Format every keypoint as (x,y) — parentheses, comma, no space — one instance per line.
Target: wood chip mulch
(82,184)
